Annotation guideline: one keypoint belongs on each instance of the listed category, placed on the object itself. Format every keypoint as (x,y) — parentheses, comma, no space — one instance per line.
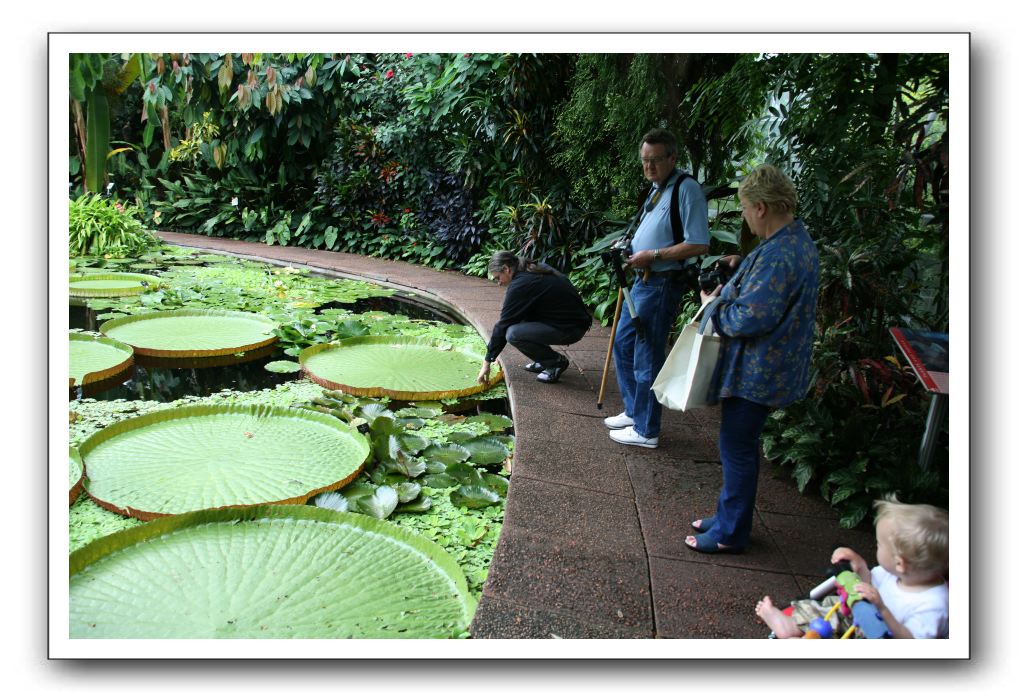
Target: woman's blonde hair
(768,184)
(919,536)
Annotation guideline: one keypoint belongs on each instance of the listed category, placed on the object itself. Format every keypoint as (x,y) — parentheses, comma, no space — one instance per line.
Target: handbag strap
(706,313)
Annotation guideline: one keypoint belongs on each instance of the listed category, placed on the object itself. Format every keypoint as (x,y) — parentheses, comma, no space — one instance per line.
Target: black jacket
(535,297)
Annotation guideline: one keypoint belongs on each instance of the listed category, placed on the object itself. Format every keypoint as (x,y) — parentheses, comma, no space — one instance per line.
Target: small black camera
(715,276)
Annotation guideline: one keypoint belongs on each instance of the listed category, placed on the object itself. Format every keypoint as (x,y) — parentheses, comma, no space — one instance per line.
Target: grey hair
(504,258)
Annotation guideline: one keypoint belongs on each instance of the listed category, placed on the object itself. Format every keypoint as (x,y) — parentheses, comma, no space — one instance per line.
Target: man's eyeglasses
(653,160)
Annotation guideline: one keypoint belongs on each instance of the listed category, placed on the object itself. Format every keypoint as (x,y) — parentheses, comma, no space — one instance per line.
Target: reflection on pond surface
(191,378)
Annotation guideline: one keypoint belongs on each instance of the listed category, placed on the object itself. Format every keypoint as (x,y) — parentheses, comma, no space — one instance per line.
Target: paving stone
(566,464)
(575,567)
(807,545)
(499,619)
(712,601)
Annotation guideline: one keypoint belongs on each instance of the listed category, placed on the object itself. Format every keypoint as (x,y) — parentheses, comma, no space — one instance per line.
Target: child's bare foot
(782,625)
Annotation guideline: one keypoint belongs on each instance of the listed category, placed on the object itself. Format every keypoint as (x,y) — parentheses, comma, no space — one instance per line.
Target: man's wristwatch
(657,255)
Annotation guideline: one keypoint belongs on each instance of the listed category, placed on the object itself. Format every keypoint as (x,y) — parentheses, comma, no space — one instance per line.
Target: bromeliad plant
(104,227)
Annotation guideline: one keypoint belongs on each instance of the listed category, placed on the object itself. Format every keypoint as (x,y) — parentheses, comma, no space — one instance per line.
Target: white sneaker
(618,422)
(629,436)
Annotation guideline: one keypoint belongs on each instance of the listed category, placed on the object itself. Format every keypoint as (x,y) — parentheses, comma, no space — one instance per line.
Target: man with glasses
(662,257)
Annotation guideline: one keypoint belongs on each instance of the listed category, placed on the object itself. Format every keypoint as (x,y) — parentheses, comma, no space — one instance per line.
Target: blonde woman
(766,317)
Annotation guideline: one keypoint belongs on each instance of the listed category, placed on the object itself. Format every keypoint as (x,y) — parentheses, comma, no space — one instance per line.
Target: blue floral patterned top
(767,312)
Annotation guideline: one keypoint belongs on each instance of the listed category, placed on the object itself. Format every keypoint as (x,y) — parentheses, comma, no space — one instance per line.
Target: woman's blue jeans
(742,422)
(638,362)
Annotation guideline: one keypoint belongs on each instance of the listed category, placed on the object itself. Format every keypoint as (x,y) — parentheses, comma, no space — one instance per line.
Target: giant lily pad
(266,572)
(192,333)
(208,456)
(96,358)
(400,368)
(110,284)
(75,474)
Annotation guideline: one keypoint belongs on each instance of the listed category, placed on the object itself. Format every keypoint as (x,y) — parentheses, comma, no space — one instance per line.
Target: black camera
(714,276)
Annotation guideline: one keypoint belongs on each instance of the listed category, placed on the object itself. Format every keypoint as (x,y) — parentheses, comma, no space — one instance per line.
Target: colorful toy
(865,616)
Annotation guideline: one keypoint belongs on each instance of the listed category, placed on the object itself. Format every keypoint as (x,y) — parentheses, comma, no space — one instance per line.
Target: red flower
(409,55)
(388,75)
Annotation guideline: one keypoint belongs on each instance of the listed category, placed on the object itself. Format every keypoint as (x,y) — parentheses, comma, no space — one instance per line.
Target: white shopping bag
(685,377)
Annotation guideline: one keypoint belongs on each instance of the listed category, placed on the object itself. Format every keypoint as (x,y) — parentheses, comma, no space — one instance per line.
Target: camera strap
(678,231)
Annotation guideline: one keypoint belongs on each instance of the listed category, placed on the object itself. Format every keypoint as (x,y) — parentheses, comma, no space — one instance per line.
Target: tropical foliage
(441,158)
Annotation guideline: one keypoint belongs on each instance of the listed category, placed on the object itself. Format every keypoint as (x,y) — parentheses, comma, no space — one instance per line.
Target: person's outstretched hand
(482,376)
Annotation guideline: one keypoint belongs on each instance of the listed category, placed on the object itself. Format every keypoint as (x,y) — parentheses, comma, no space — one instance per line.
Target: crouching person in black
(540,308)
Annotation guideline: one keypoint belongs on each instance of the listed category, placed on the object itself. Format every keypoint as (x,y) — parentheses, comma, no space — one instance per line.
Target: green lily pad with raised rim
(96,358)
(75,474)
(401,368)
(266,573)
(219,455)
(192,333)
(110,284)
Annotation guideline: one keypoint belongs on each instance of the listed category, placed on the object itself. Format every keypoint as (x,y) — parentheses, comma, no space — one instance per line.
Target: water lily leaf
(371,412)
(75,474)
(473,496)
(494,422)
(266,573)
(355,491)
(97,358)
(446,453)
(283,366)
(420,505)
(380,504)
(110,284)
(407,492)
(440,480)
(485,451)
(412,444)
(216,455)
(451,418)
(500,484)
(418,412)
(192,333)
(465,474)
(332,500)
(346,329)
(401,462)
(460,436)
(401,368)
(435,466)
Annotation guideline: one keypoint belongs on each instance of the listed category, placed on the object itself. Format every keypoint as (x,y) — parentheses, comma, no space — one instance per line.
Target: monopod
(613,260)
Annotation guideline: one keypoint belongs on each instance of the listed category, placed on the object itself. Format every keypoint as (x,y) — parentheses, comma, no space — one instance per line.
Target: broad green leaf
(473,496)
(96,358)
(266,573)
(500,484)
(446,453)
(283,366)
(485,451)
(192,333)
(401,368)
(494,422)
(407,492)
(110,284)
(420,505)
(332,500)
(380,504)
(206,456)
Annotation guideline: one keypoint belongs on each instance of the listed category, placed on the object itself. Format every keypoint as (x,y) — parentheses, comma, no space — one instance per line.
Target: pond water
(166,380)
